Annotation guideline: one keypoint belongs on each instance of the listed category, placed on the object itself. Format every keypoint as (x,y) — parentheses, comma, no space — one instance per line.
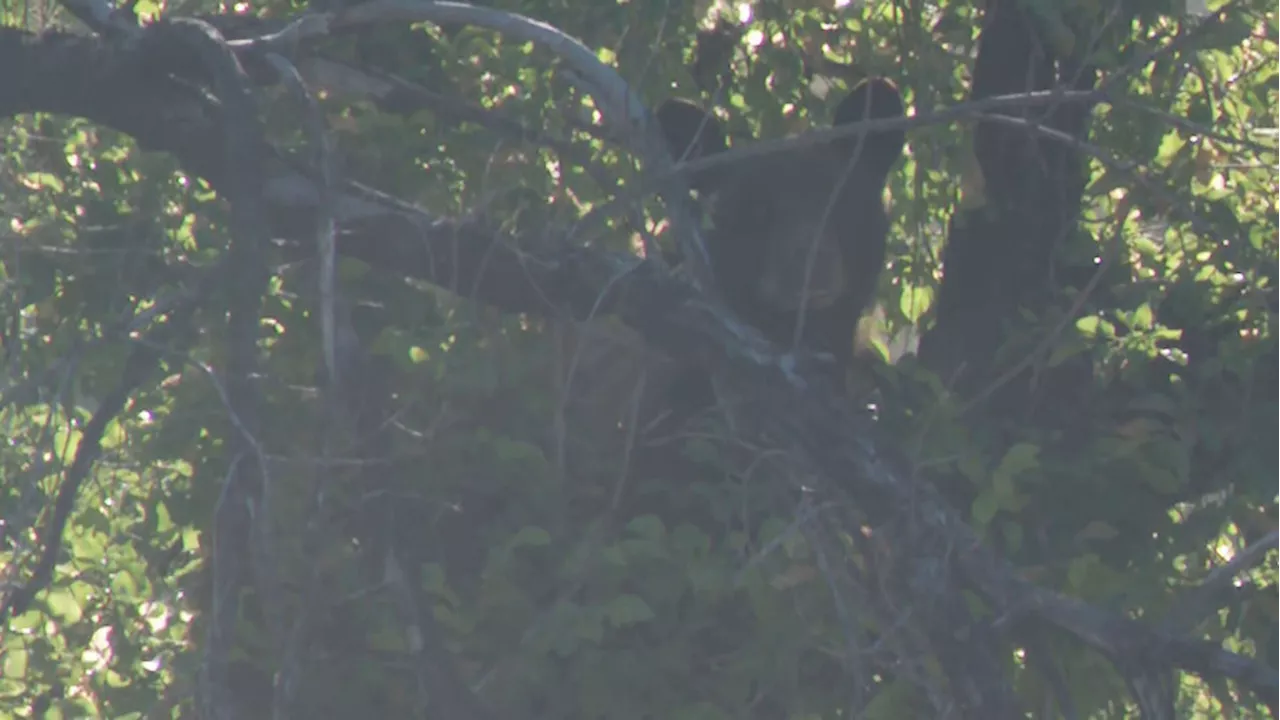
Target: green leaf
(124,586)
(984,508)
(1019,458)
(690,542)
(529,536)
(62,605)
(15,663)
(625,610)
(915,302)
(1080,572)
(1096,530)
(649,527)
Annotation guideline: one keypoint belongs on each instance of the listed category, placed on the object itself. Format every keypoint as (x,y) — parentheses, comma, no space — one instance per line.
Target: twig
(326,224)
(1204,599)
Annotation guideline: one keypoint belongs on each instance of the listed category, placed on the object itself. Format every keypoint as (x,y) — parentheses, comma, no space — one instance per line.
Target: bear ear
(691,133)
(874,99)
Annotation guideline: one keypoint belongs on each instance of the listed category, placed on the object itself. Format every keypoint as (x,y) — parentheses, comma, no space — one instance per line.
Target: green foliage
(563,582)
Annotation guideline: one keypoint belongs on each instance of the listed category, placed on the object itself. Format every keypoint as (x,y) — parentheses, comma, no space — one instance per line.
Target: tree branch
(235,531)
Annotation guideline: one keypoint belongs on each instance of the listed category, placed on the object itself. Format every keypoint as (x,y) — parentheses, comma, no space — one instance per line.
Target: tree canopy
(339,342)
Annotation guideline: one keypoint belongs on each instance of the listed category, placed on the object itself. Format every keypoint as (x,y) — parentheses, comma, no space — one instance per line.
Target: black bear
(801,233)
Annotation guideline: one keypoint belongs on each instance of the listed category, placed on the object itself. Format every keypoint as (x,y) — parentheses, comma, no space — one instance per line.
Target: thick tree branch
(238,540)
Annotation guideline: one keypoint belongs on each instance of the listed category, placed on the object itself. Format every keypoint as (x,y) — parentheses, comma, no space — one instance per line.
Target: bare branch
(1203,600)
(326,226)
